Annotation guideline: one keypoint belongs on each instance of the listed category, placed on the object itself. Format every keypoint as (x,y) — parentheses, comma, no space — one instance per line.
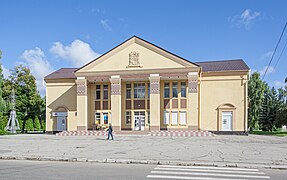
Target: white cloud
(245,19)
(267,55)
(39,66)
(106,25)
(269,71)
(279,84)
(78,52)
(6,72)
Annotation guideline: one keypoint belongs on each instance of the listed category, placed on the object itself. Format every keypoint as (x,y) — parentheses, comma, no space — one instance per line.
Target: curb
(149,162)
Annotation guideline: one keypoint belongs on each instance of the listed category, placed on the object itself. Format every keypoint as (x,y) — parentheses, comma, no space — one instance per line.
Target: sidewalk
(238,151)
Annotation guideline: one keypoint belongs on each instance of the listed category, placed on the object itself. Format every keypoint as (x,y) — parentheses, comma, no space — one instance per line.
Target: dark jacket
(110,129)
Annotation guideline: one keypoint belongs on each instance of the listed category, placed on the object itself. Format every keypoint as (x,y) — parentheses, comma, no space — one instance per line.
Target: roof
(63,73)
(224,65)
(145,41)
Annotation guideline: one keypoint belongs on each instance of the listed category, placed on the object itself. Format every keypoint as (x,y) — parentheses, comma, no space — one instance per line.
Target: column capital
(115,85)
(192,82)
(81,86)
(154,83)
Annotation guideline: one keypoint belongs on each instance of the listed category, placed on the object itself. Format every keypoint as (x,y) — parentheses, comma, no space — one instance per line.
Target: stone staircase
(136,133)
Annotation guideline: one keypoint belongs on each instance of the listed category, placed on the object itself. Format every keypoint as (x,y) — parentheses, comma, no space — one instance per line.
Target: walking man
(110,132)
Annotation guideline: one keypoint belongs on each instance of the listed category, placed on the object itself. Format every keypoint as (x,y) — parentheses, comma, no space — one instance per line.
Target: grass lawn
(275,133)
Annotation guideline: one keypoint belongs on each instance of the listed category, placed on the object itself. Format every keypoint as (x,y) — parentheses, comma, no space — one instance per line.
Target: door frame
(228,107)
(134,119)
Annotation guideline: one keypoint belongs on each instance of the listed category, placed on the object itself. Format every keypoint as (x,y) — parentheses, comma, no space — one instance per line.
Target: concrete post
(116,102)
(155,112)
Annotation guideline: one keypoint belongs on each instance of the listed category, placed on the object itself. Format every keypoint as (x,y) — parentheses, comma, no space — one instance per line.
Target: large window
(182,117)
(98,91)
(174,89)
(174,118)
(166,117)
(183,89)
(139,90)
(128,90)
(166,90)
(106,118)
(128,117)
(106,91)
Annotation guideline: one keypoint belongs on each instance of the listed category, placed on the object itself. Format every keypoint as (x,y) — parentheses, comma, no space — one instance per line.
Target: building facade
(139,86)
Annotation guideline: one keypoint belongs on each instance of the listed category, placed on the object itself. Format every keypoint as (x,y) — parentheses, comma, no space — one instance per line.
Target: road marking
(205,173)
(209,174)
(209,170)
(209,167)
(185,177)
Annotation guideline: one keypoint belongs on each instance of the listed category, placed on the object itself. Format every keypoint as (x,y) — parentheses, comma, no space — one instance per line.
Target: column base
(82,128)
(154,128)
(116,128)
(192,127)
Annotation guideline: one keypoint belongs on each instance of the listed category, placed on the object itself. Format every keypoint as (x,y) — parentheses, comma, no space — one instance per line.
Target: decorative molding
(81,87)
(154,84)
(134,59)
(115,86)
(192,83)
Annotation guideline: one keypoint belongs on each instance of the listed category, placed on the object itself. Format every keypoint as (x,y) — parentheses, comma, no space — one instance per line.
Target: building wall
(61,95)
(226,90)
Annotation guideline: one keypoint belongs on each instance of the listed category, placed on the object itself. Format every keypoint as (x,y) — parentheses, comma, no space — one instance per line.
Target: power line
(274,51)
(278,58)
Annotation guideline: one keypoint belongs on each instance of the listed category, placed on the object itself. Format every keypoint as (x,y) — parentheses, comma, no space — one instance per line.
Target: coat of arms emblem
(134,59)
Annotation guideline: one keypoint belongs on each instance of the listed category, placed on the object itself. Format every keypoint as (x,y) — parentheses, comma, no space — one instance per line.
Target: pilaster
(192,106)
(116,102)
(155,102)
(82,103)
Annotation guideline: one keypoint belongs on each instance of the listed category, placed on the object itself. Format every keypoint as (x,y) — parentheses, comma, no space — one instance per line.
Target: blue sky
(48,35)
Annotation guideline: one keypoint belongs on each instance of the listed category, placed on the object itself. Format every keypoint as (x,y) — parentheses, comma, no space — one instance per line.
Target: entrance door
(139,120)
(61,123)
(226,121)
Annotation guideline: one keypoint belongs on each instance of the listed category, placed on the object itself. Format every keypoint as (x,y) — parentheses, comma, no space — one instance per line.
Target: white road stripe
(209,167)
(209,170)
(185,177)
(209,174)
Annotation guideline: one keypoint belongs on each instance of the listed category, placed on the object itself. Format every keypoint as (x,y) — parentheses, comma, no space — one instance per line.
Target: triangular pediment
(133,54)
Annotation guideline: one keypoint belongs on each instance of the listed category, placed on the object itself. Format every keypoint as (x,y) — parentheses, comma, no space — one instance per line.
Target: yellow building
(139,86)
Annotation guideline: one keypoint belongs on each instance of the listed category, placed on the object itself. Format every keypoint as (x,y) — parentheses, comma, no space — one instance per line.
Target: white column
(116,100)
(155,110)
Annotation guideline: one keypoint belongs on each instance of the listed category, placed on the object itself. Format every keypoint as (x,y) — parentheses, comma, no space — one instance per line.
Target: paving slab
(221,150)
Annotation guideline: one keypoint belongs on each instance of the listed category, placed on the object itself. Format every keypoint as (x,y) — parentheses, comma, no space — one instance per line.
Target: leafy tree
(29,125)
(281,117)
(28,99)
(255,95)
(3,105)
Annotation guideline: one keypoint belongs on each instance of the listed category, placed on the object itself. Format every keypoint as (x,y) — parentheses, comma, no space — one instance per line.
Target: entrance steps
(134,133)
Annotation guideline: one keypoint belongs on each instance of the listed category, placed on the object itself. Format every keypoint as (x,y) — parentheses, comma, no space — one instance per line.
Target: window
(148,117)
(148,90)
(166,117)
(183,117)
(98,118)
(139,90)
(166,90)
(174,89)
(98,91)
(128,91)
(174,118)
(128,117)
(106,91)
(183,89)
(106,118)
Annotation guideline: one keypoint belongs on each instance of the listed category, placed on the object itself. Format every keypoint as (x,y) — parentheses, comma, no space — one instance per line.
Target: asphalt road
(24,170)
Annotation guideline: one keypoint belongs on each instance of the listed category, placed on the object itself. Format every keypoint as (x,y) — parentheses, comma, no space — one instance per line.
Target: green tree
(28,99)
(29,125)
(269,109)
(3,105)
(281,117)
(37,125)
(255,95)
